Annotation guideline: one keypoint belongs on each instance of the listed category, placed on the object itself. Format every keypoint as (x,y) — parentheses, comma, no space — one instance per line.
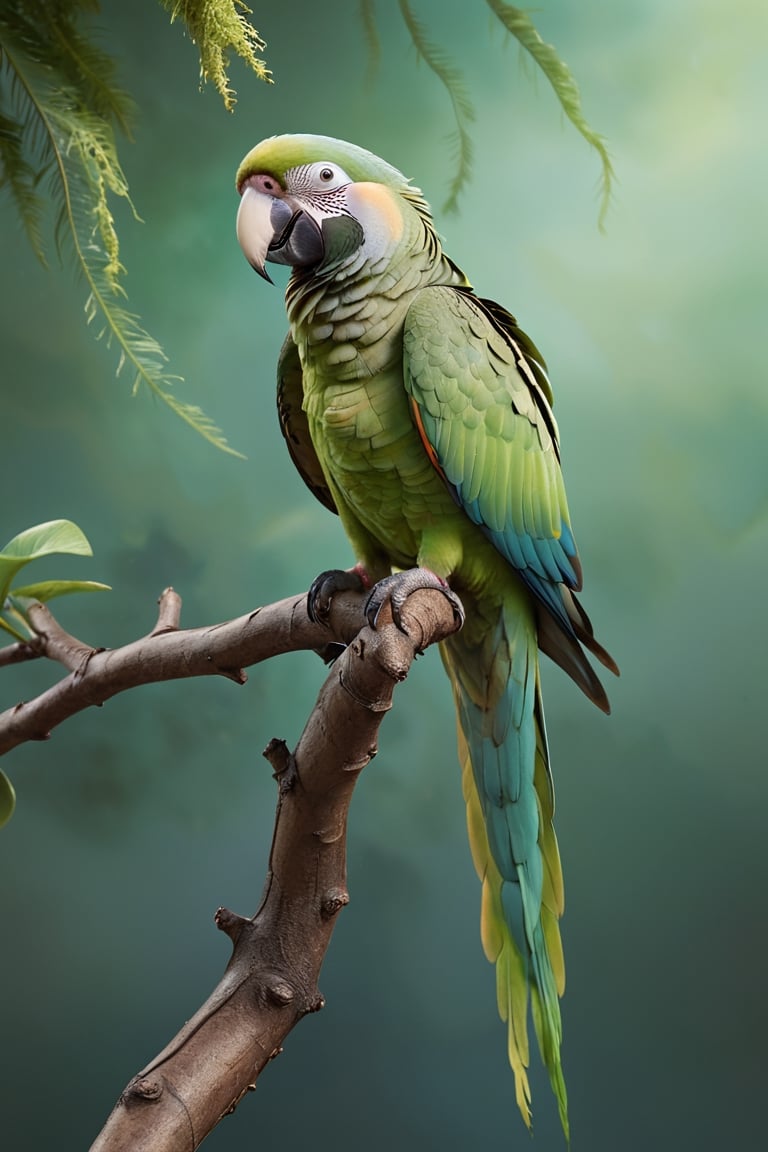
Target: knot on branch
(279,991)
(143,1089)
(81,670)
(333,901)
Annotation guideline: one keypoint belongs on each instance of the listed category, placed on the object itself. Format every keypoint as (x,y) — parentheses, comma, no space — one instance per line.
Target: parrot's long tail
(510,805)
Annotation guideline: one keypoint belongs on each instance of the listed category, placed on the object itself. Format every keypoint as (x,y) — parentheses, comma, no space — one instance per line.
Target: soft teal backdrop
(135,822)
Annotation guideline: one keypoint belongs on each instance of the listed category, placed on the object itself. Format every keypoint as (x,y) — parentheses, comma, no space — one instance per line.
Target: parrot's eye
(320,177)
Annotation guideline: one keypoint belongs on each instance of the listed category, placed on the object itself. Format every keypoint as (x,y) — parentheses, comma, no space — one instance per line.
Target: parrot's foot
(325,586)
(398,587)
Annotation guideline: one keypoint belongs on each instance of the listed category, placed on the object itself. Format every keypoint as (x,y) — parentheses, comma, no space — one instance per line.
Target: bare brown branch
(222,650)
(271,979)
(18,653)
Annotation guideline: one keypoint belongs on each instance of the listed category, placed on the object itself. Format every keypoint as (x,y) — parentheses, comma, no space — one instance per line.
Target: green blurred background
(136,821)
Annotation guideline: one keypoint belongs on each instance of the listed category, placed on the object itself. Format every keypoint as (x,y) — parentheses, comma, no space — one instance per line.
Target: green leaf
(46,590)
(55,536)
(7,799)
(6,627)
(45,539)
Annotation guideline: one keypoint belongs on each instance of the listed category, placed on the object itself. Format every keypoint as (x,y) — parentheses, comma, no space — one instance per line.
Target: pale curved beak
(256,227)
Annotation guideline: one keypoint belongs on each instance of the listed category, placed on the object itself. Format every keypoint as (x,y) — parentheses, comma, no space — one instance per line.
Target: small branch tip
(169,612)
(278,755)
(229,922)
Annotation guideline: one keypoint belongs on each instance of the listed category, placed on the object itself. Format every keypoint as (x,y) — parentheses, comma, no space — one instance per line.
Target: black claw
(323,589)
(399,586)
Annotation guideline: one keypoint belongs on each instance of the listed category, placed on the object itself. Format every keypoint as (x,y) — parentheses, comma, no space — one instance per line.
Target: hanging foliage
(61,107)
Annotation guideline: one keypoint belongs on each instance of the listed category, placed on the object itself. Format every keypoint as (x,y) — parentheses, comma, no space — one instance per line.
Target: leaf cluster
(53,537)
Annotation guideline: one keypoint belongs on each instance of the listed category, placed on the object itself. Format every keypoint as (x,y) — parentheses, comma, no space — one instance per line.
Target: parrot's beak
(276,229)
(255,228)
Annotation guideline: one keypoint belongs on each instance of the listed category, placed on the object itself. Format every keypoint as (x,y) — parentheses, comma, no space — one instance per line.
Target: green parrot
(421,413)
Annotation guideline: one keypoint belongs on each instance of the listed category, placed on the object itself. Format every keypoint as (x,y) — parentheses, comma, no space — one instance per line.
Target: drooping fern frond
(217,27)
(463,112)
(519,24)
(83,65)
(371,34)
(58,106)
(20,178)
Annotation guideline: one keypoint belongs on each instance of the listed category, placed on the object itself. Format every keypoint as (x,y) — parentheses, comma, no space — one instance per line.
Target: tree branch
(168,653)
(270,982)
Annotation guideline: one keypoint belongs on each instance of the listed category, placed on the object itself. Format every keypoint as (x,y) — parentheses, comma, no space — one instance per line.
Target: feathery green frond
(61,133)
(519,24)
(20,178)
(90,72)
(463,112)
(371,33)
(48,32)
(216,27)
(197,419)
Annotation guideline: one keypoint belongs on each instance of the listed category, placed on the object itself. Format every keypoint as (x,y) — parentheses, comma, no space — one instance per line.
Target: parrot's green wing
(484,412)
(482,404)
(294,425)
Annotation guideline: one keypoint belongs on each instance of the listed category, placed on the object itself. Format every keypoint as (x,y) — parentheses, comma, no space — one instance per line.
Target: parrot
(421,413)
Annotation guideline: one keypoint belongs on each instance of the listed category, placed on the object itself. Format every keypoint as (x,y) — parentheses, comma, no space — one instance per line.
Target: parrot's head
(308,201)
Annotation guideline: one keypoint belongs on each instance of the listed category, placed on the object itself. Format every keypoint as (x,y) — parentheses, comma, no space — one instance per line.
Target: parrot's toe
(398,587)
(325,586)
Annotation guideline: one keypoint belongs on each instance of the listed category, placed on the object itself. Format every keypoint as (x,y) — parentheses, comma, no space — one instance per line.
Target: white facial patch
(321,184)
